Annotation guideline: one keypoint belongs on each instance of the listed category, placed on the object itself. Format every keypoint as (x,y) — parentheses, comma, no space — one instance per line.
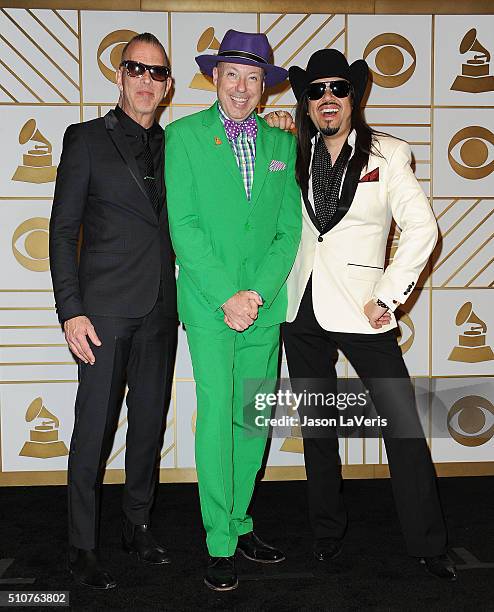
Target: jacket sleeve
(71,191)
(276,265)
(413,214)
(192,246)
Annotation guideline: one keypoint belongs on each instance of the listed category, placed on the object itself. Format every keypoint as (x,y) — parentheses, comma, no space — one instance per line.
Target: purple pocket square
(276,166)
(371,177)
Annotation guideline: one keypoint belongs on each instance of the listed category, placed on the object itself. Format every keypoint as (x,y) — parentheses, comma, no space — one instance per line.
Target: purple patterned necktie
(233,129)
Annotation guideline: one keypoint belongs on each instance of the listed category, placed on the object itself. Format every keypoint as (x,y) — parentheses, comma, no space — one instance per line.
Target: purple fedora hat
(244,48)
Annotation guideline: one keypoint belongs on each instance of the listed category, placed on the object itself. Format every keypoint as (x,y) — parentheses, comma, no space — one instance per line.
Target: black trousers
(140,352)
(311,352)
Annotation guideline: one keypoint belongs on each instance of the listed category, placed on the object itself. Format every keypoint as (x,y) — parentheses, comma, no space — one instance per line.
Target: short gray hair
(145,37)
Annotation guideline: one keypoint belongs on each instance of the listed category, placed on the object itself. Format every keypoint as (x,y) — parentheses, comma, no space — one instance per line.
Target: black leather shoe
(327,549)
(440,567)
(138,540)
(254,549)
(85,568)
(221,574)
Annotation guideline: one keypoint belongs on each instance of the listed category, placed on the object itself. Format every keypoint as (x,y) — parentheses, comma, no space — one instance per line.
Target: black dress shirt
(134,133)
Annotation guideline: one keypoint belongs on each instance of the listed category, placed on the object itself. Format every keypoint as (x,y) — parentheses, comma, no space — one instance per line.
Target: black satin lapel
(348,190)
(120,141)
(310,211)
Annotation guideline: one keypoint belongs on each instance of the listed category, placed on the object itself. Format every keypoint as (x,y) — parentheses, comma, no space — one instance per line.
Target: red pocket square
(371,177)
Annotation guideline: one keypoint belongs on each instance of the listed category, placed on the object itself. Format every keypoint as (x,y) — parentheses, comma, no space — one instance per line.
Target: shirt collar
(224,116)
(352,137)
(132,128)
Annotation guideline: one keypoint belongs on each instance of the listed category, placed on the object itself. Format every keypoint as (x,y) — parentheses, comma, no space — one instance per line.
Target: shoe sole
(213,588)
(92,586)
(239,550)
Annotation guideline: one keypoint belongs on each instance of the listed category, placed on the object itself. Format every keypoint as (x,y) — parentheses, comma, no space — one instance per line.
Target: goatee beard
(329,131)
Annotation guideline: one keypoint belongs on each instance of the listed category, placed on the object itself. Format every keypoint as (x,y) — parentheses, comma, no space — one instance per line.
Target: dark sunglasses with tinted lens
(340,89)
(137,69)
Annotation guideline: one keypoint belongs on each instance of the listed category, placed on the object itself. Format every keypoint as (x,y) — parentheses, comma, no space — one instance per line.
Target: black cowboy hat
(327,63)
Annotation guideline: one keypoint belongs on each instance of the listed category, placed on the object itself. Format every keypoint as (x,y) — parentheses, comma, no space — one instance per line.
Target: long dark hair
(364,144)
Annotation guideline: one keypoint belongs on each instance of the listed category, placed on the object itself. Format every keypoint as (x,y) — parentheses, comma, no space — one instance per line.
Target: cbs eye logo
(392,68)
(406,332)
(471,420)
(31,236)
(478,142)
(117,40)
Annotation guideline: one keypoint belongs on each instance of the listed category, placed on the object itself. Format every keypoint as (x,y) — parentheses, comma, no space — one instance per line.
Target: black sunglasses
(340,89)
(137,69)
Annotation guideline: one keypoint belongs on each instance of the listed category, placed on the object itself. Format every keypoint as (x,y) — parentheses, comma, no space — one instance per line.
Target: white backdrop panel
(450,62)
(398,53)
(19,176)
(102,33)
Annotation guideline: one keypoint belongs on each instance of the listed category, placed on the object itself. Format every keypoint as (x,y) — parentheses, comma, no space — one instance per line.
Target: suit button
(247,226)
(319,239)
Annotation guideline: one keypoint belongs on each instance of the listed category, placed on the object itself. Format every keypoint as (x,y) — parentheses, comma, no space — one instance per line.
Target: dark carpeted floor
(373,573)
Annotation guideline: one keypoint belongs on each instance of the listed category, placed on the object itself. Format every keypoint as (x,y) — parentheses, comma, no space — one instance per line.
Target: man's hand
(376,315)
(76,330)
(241,310)
(280,119)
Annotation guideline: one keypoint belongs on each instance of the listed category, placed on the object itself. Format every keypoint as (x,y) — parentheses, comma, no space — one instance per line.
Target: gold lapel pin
(217,140)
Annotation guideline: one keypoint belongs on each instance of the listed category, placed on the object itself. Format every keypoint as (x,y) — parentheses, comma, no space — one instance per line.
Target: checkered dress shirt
(244,149)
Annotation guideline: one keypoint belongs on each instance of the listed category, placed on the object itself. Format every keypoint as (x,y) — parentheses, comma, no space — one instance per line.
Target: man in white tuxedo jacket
(354,181)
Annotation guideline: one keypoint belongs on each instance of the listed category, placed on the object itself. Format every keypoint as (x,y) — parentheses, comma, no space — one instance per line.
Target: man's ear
(168,86)
(215,76)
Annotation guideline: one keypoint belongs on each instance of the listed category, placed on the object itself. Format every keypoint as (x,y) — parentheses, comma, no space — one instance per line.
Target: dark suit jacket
(126,251)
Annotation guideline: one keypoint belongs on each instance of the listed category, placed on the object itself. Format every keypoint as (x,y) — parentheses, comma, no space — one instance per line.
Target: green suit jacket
(223,242)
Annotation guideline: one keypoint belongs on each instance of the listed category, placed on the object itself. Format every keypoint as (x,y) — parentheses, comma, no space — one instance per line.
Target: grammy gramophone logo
(37,164)
(472,344)
(207,40)
(474,76)
(294,442)
(43,440)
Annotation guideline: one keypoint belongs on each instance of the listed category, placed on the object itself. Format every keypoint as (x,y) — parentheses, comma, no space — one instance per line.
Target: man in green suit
(234,213)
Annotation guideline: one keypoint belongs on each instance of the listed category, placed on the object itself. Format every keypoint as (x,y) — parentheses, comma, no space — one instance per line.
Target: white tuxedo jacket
(347,260)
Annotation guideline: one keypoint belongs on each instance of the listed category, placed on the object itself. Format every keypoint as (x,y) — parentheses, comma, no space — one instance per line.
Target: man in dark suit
(117,303)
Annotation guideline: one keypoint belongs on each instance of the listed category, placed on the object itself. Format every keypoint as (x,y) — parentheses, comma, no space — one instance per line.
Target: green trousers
(229,369)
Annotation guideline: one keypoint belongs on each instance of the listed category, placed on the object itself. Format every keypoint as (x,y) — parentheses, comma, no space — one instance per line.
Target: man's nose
(242,84)
(146,76)
(328,95)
